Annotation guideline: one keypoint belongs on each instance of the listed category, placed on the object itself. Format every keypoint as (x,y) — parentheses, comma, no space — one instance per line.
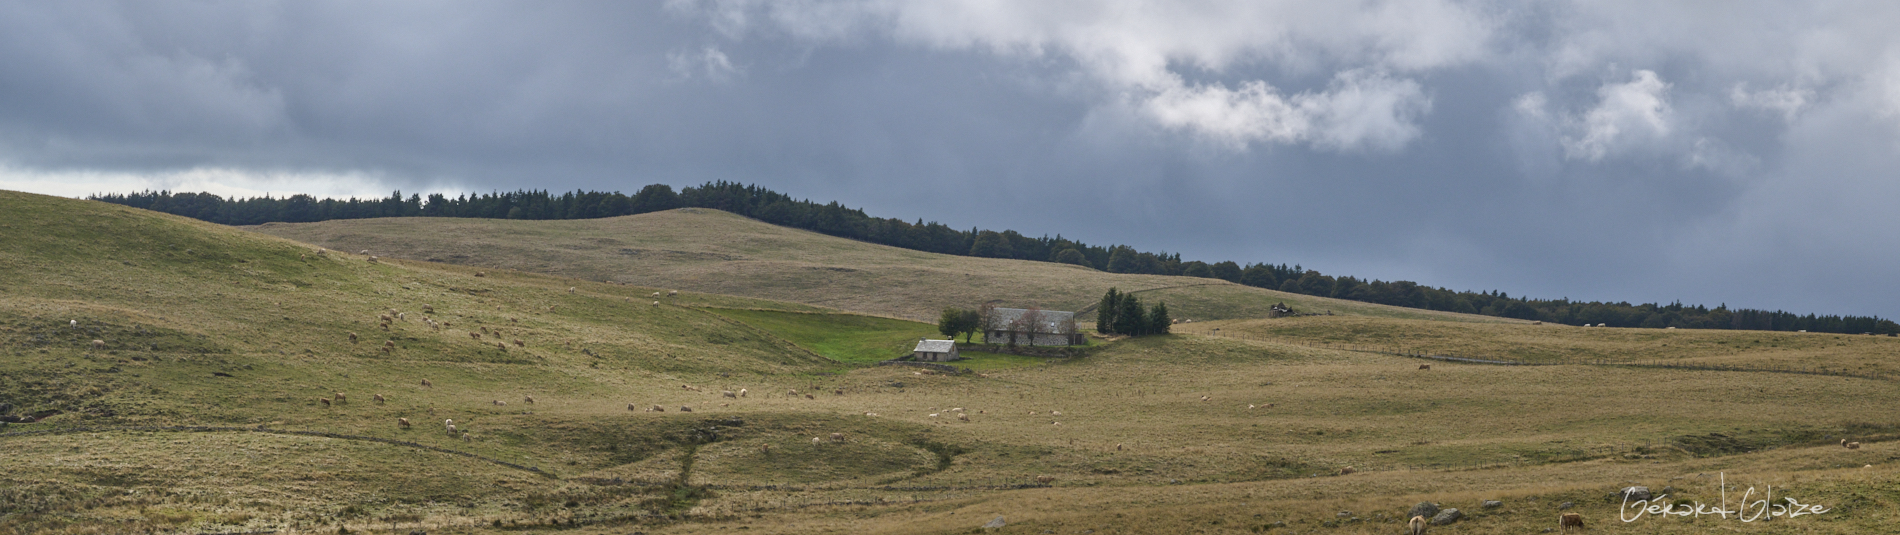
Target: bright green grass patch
(847,338)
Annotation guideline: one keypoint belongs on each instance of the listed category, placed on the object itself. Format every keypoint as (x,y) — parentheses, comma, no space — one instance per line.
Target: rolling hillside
(200,413)
(716,252)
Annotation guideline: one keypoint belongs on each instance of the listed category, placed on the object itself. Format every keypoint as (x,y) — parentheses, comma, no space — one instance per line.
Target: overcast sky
(1709,152)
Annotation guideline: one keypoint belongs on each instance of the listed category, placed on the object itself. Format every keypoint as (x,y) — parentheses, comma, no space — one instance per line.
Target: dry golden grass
(721,253)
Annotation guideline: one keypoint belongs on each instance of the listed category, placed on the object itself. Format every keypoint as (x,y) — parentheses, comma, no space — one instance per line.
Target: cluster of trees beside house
(1121,313)
(955,321)
(836,220)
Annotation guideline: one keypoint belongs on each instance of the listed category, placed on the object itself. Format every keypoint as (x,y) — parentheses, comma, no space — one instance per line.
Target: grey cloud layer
(1734,152)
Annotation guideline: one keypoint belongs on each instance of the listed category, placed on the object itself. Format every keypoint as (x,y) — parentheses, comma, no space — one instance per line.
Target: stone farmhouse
(1035,327)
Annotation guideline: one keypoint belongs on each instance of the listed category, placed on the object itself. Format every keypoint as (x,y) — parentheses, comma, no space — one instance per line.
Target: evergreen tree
(1158,320)
(1106,310)
(1071,256)
(1131,320)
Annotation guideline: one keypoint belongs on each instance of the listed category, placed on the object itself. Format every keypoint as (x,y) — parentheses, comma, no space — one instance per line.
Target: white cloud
(708,62)
(1787,101)
(1144,50)
(1627,116)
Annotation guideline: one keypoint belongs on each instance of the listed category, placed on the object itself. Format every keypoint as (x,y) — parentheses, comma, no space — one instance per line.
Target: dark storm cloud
(1619,151)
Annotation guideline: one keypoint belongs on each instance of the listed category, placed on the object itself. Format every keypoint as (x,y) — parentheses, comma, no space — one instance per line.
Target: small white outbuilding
(935,351)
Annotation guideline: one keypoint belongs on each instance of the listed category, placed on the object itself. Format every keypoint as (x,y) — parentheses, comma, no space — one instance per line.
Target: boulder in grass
(1447,516)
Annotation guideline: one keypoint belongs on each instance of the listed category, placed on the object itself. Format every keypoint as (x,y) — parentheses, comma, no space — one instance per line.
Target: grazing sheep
(98,345)
(656,303)
(1118,447)
(451,429)
(963,417)
(1045,480)
(352,338)
(933,415)
(838,391)
(449,422)
(729,393)
(815,441)
(871,414)
(570,289)
(363,252)
(1418,525)
(1853,445)
(837,437)
(428,308)
(1346,470)
(520,343)
(1566,522)
(340,398)
(481,274)
(742,392)
(501,346)
(373,260)
(1424,366)
(1055,413)
(1205,398)
(527,399)
(500,403)
(321,251)
(73,323)
(656,294)
(324,401)
(765,449)
(657,408)
(389,343)
(466,437)
(378,398)
(402,423)
(672,293)
(794,392)
(426,383)
(684,408)
(475,335)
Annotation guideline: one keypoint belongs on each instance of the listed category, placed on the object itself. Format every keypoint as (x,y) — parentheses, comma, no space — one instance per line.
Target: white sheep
(500,403)
(656,303)
(74,323)
(378,398)
(98,345)
(451,429)
(815,441)
(837,437)
(402,423)
(672,293)
(528,399)
(729,393)
(963,417)
(656,294)
(570,289)
(449,422)
(742,392)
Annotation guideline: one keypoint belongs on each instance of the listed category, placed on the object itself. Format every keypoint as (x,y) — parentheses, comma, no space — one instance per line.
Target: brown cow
(1417,526)
(1570,520)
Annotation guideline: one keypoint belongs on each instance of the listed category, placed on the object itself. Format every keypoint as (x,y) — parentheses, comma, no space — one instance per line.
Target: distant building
(935,351)
(1032,326)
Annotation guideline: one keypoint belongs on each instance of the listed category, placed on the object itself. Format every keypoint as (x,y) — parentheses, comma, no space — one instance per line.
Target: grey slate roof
(936,346)
(1002,318)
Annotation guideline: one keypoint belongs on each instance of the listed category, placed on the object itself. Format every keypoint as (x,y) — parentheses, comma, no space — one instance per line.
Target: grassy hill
(717,252)
(200,414)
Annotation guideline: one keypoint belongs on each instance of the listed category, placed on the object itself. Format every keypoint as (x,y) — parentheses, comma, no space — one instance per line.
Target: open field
(209,326)
(720,253)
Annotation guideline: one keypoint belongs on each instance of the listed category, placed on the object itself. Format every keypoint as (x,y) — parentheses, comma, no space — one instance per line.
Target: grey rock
(995,524)
(1424,509)
(1493,504)
(6,408)
(1566,505)
(1447,516)
(1634,493)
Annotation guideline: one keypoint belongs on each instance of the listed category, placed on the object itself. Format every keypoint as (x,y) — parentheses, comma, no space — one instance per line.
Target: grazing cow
(402,423)
(1570,520)
(1424,366)
(1417,526)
